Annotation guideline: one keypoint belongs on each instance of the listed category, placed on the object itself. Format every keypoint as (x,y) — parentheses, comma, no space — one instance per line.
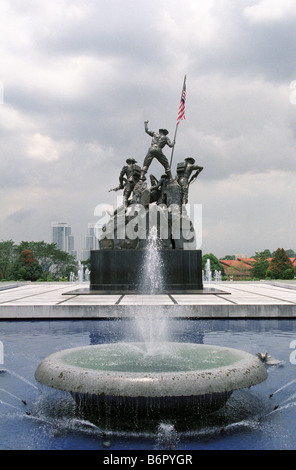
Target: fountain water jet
(208,272)
(152,326)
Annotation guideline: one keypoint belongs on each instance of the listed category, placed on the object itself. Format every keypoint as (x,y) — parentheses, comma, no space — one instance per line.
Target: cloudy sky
(80,77)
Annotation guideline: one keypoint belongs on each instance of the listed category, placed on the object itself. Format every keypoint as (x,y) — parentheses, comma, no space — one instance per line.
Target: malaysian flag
(181,112)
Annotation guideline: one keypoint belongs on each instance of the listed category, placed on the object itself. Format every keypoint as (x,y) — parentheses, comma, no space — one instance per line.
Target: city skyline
(61,235)
(80,79)
(91,242)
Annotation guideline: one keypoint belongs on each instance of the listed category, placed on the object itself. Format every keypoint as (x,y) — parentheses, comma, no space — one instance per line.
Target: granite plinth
(121,271)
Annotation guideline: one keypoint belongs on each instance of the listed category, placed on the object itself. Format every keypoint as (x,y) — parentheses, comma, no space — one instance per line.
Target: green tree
(267,253)
(215,263)
(63,264)
(54,262)
(27,267)
(261,264)
(8,253)
(280,266)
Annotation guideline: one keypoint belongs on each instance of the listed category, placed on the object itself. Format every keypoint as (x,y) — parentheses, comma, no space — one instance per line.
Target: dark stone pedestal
(120,271)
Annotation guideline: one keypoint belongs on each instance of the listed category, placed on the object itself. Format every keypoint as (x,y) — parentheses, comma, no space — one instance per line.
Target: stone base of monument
(120,272)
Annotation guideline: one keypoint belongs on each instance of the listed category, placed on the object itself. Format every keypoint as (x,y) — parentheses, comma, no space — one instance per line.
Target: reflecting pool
(36,417)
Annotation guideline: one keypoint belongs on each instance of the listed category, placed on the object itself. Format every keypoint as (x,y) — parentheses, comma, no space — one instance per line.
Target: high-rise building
(62,237)
(91,240)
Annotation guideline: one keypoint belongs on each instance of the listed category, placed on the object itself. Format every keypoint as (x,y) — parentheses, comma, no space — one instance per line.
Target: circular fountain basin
(172,378)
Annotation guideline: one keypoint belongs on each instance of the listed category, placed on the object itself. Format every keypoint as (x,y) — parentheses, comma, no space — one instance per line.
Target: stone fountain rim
(244,373)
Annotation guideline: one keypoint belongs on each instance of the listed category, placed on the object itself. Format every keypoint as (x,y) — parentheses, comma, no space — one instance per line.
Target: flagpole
(177,124)
(174,145)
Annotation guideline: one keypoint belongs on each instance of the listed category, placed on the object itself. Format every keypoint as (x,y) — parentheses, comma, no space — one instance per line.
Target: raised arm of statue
(147,130)
(197,167)
(195,175)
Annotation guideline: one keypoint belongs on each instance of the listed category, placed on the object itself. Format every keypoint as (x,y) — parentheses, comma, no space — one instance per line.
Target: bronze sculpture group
(129,226)
(167,190)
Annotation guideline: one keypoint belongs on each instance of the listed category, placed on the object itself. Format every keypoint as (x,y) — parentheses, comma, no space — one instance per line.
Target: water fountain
(122,379)
(262,417)
(218,276)
(80,272)
(151,379)
(208,272)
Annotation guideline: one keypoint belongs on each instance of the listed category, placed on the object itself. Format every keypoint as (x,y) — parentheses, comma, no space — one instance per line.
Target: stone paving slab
(146,300)
(233,300)
(202,300)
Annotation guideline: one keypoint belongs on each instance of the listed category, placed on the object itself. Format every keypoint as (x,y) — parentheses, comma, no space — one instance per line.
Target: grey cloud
(21,215)
(109,29)
(243,48)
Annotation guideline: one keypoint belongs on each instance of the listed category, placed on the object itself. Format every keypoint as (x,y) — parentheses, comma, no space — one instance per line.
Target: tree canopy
(34,261)
(280,267)
(26,267)
(7,257)
(261,264)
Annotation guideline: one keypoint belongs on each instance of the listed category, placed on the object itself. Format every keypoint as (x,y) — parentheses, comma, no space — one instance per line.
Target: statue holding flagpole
(159,141)
(166,198)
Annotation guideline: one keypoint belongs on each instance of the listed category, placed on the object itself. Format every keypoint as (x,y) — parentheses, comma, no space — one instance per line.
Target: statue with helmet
(159,141)
(184,178)
(128,178)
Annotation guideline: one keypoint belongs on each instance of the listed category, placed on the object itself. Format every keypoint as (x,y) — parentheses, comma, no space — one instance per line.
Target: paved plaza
(232,300)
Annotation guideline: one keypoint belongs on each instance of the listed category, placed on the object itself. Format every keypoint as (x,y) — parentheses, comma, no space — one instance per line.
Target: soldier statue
(159,140)
(128,178)
(184,178)
(160,189)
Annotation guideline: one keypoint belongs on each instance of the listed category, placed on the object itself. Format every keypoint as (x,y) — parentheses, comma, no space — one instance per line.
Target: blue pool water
(36,417)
